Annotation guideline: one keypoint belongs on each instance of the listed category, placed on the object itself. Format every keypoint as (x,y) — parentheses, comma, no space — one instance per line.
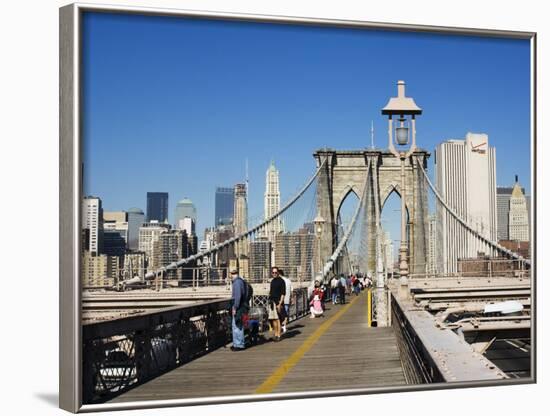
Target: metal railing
(482,267)
(299,303)
(122,353)
(125,352)
(493,244)
(417,366)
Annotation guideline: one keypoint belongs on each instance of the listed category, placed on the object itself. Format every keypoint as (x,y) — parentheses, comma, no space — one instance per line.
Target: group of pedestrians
(340,286)
(280,291)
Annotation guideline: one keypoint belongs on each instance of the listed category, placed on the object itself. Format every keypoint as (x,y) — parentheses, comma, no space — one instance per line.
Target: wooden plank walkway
(336,352)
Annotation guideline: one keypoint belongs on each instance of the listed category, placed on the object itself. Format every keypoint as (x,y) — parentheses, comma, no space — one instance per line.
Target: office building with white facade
(92,221)
(465,172)
(518,217)
(186,224)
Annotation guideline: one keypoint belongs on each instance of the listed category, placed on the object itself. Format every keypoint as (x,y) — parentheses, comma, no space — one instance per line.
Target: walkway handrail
(215,248)
(122,353)
(493,244)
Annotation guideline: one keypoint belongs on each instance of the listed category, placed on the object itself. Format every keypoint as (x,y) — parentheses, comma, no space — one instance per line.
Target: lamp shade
(402,135)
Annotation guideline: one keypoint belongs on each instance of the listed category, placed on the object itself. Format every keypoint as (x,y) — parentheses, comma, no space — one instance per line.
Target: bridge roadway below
(337,351)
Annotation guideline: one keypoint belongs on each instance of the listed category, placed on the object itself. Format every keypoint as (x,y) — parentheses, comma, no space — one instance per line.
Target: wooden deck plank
(347,355)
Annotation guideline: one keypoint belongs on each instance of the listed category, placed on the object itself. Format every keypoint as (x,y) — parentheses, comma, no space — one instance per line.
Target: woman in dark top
(277,290)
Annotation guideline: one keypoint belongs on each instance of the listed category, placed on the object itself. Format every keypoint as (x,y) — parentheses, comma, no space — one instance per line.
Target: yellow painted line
(369,308)
(275,378)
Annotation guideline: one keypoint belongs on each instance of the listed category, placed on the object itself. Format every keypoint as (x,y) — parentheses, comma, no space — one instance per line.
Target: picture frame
(71,193)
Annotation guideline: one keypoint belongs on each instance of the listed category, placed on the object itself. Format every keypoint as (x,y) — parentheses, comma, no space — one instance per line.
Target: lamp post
(318,222)
(406,110)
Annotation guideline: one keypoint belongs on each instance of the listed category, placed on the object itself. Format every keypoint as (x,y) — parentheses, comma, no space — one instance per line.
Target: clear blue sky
(177,105)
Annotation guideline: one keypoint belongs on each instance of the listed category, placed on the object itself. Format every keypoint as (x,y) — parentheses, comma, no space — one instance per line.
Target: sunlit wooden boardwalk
(338,351)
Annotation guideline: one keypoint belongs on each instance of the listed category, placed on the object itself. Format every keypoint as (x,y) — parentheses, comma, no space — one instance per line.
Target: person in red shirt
(318,290)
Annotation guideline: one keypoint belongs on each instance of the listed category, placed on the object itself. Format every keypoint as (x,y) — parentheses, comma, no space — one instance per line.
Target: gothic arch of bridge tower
(344,172)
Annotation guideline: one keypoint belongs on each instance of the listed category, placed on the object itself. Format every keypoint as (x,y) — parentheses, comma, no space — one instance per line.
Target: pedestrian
(334,289)
(369,280)
(342,289)
(318,291)
(316,308)
(277,290)
(238,309)
(288,293)
(324,288)
(356,285)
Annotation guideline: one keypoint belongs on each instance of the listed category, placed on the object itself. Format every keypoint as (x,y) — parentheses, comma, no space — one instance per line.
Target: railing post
(143,355)
(183,341)
(88,373)
(389,307)
(369,307)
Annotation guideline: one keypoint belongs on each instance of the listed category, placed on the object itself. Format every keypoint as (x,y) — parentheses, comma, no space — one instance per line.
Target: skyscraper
(272,202)
(168,248)
(259,265)
(224,209)
(503,207)
(99,270)
(136,218)
(466,178)
(294,253)
(149,232)
(157,206)
(240,216)
(92,220)
(186,224)
(185,209)
(115,232)
(503,211)
(518,219)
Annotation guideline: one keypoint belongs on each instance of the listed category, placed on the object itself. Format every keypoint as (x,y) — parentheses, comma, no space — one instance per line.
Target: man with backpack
(239,308)
(342,288)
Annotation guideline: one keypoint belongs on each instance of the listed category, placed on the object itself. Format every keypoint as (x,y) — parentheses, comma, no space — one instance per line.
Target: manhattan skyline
(176,105)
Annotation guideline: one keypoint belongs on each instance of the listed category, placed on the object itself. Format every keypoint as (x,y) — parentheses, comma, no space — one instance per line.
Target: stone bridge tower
(344,172)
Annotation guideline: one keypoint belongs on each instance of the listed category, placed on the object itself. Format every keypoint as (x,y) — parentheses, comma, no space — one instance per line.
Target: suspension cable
(493,244)
(247,233)
(332,259)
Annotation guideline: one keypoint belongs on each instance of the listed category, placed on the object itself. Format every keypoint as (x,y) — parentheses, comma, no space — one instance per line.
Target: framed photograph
(263,207)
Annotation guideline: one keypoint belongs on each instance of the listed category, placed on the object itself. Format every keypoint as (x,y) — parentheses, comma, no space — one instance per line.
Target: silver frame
(70,194)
